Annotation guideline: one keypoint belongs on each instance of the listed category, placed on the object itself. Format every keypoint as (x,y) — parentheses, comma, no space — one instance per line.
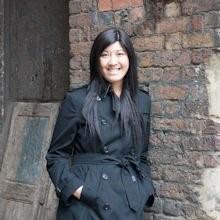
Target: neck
(117,88)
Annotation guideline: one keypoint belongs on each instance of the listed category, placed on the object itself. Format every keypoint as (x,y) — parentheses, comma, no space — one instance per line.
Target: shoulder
(76,96)
(143,99)
(143,93)
(78,92)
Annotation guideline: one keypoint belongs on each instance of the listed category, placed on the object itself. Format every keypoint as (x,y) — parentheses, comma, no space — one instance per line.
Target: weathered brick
(198,22)
(197,40)
(172,207)
(171,190)
(105,5)
(78,77)
(176,125)
(145,59)
(106,18)
(198,143)
(171,58)
(80,20)
(149,43)
(217,37)
(212,19)
(74,7)
(211,161)
(182,175)
(121,4)
(150,74)
(75,63)
(171,74)
(136,3)
(81,48)
(172,9)
(194,6)
(201,55)
(78,35)
(195,108)
(173,41)
(172,25)
(136,14)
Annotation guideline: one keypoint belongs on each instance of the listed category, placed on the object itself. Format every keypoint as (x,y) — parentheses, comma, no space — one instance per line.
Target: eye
(104,54)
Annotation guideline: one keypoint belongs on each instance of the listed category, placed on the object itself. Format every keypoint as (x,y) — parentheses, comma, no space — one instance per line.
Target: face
(114,64)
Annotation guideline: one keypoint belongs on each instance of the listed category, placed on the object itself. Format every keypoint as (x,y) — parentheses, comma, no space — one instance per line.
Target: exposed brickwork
(174,40)
(1,68)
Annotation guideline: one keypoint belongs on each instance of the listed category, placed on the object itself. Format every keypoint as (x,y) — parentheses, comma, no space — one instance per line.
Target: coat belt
(127,162)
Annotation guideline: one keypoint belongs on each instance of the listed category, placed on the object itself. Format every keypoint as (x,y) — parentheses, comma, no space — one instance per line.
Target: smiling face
(114,64)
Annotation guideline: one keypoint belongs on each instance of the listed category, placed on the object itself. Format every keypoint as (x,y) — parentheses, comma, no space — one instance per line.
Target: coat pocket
(91,186)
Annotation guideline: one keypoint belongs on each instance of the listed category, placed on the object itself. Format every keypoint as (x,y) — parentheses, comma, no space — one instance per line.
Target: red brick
(173,41)
(194,6)
(211,161)
(80,20)
(78,77)
(150,74)
(171,74)
(136,14)
(171,190)
(170,92)
(149,43)
(172,25)
(121,4)
(197,23)
(201,55)
(172,9)
(136,3)
(145,59)
(81,48)
(105,5)
(198,40)
(171,58)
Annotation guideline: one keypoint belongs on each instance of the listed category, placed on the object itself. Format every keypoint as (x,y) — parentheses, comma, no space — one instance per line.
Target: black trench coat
(115,176)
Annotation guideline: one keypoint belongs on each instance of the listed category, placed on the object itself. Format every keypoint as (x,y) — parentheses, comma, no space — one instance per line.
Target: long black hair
(129,116)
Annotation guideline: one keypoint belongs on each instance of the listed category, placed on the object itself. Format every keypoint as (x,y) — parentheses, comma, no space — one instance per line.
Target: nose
(112,60)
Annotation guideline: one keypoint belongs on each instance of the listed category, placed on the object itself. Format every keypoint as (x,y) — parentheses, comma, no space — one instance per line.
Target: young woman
(97,157)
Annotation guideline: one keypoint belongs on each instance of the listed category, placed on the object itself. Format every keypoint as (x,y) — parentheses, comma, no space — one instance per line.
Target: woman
(97,157)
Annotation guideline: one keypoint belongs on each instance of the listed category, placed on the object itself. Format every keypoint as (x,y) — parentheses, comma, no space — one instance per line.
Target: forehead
(114,47)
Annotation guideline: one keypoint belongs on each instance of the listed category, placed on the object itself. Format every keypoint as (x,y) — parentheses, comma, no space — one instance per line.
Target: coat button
(98,98)
(106,149)
(105,176)
(104,122)
(106,207)
(133,178)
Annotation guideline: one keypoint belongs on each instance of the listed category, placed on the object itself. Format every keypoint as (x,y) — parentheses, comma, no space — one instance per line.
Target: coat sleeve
(147,123)
(145,166)
(59,154)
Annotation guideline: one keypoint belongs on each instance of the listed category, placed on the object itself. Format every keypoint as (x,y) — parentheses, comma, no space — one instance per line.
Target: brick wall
(1,62)
(174,41)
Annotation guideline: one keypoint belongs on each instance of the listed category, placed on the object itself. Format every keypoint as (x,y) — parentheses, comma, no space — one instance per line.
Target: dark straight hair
(129,116)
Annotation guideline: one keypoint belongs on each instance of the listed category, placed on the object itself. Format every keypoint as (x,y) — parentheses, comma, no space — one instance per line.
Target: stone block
(136,3)
(172,207)
(149,43)
(136,14)
(173,41)
(172,9)
(74,7)
(171,74)
(172,25)
(195,6)
(197,40)
(105,5)
(170,92)
(122,4)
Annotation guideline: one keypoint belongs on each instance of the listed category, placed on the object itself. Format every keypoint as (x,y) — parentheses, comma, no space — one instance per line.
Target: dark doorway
(36,50)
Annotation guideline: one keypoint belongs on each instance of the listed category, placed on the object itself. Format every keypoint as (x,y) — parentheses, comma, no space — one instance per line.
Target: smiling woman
(114,64)
(103,128)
